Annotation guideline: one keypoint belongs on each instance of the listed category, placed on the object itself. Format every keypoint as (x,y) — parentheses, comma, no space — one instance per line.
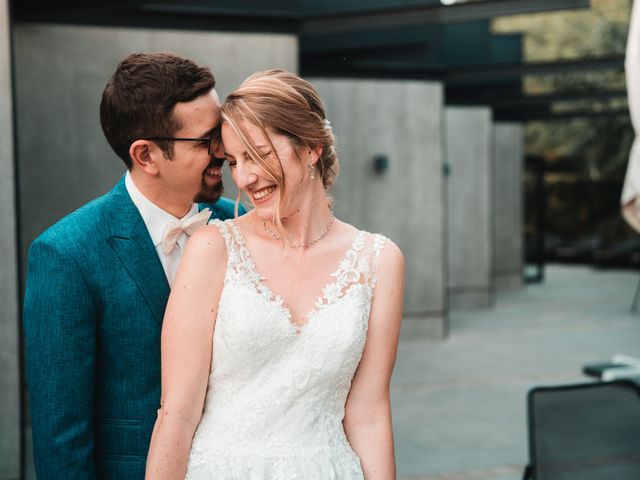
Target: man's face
(191,170)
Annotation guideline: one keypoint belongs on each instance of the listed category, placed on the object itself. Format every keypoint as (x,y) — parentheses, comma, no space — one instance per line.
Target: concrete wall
(9,364)
(469,200)
(61,71)
(508,205)
(402,120)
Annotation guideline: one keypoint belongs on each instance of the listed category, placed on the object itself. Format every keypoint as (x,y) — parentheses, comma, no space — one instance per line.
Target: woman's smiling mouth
(263,194)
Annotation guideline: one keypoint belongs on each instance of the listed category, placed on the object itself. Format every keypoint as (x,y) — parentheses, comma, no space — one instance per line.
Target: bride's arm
(187,332)
(367,420)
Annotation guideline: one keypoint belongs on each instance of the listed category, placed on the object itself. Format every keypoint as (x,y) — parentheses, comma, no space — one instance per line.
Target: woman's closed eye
(245,158)
(266,155)
(248,158)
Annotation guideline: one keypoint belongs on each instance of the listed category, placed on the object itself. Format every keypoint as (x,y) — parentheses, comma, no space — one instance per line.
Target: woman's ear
(315,153)
(143,153)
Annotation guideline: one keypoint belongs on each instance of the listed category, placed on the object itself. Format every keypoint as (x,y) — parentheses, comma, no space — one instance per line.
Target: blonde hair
(287,105)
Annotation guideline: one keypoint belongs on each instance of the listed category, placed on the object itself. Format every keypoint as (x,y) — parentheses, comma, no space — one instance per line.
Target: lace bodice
(276,394)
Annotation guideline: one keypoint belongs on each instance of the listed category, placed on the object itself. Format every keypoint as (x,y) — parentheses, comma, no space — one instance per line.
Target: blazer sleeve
(60,334)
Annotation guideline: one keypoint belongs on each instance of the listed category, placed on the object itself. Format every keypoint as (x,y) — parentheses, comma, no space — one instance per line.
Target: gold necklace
(270,231)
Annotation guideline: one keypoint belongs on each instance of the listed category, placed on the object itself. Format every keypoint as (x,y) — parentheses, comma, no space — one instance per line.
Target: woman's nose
(244,177)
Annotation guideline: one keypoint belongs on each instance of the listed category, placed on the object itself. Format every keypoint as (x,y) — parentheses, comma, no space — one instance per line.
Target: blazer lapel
(133,246)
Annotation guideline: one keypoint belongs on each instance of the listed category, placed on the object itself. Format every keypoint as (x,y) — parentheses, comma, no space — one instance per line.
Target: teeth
(265,192)
(214,171)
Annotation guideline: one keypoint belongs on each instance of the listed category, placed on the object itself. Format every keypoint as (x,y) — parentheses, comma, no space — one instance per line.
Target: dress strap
(378,243)
(224,231)
(233,257)
(359,266)
(240,268)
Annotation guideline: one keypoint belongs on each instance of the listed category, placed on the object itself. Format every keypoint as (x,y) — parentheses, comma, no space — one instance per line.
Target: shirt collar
(155,218)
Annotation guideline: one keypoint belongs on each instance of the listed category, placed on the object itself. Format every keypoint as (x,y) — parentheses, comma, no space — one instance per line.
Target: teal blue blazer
(95,298)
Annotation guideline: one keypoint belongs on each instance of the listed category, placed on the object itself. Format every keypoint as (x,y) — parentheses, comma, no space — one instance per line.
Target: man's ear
(143,156)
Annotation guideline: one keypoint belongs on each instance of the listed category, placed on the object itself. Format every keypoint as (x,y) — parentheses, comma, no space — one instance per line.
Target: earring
(311,169)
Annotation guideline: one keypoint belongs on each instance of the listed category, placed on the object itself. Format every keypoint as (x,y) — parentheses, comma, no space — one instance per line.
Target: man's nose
(218,151)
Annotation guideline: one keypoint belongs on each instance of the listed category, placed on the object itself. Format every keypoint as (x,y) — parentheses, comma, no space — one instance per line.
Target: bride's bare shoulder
(344,229)
(207,243)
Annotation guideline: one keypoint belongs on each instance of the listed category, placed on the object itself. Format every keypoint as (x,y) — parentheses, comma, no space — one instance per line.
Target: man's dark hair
(139,98)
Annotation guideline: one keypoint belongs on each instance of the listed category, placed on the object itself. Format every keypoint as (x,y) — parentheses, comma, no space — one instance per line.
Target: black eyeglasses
(212,142)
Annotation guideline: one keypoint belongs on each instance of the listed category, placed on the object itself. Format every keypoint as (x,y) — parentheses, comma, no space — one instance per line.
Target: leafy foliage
(586,157)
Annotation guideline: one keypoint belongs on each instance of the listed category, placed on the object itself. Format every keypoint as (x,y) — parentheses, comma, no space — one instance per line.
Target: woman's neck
(310,221)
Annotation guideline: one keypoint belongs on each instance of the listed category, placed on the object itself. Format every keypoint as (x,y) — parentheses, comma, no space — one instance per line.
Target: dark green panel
(284,8)
(506,48)
(245,8)
(391,39)
(466,43)
(314,7)
(416,52)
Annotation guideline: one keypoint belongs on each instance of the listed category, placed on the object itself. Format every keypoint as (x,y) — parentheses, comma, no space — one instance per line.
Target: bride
(282,327)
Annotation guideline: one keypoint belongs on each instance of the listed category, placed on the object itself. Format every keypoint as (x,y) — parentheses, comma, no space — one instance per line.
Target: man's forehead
(204,104)
(198,116)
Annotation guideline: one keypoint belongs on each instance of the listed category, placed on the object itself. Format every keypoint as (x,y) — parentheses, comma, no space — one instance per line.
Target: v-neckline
(321,299)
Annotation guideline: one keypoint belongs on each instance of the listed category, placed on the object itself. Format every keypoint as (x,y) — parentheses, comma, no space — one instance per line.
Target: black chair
(588,431)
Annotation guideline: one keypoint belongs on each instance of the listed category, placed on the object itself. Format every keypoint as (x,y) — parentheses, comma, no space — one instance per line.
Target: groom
(98,280)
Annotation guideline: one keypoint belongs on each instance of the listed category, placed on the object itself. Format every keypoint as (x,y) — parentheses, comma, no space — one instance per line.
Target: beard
(209,194)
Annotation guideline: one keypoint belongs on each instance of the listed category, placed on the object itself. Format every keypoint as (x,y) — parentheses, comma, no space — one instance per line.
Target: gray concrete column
(508,205)
(61,71)
(469,216)
(402,123)
(9,352)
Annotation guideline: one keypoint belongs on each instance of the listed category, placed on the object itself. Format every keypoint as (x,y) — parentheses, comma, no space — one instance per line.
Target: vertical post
(508,205)
(538,197)
(10,411)
(470,210)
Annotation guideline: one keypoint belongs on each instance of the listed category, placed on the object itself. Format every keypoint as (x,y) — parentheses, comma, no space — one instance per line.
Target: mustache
(215,162)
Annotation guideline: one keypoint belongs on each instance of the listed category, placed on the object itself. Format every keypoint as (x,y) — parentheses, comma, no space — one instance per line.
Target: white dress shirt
(156,219)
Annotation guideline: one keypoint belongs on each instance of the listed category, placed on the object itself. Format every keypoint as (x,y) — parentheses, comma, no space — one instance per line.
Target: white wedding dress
(276,395)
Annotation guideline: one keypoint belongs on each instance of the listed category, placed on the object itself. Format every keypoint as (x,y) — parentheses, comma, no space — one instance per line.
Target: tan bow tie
(188,226)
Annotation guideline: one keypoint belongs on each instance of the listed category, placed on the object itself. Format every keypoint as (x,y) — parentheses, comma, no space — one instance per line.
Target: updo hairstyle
(287,105)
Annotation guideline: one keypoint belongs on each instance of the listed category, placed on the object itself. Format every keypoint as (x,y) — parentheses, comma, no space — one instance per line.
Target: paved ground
(459,405)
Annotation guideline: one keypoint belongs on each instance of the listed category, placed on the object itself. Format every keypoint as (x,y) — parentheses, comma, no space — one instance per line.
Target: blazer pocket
(121,458)
(119,421)
(121,438)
